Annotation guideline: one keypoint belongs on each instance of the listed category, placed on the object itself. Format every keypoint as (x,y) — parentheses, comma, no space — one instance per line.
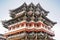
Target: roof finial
(31,4)
(38,5)
(24,4)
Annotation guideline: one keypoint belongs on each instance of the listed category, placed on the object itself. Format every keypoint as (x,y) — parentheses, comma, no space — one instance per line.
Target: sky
(53,6)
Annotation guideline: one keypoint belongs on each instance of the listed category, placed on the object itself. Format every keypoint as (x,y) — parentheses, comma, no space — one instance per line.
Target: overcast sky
(53,6)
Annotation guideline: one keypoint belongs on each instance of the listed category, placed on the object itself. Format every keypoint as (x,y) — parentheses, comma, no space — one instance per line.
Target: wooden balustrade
(30,24)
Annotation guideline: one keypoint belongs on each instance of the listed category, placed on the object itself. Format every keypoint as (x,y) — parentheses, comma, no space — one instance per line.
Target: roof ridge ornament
(24,4)
(31,4)
(31,7)
(38,5)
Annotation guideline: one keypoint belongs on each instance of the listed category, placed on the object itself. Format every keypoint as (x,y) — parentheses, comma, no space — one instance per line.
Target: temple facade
(29,22)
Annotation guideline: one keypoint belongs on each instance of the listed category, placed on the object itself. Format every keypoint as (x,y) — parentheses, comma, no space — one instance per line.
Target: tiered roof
(26,12)
(27,8)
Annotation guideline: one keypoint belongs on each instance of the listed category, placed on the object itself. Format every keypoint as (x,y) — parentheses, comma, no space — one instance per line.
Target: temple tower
(29,22)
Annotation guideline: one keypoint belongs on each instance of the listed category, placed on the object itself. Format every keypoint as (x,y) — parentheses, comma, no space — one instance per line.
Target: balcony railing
(30,25)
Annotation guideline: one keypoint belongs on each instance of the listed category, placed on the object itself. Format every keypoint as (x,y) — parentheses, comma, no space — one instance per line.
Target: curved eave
(29,6)
(49,20)
(6,27)
(6,22)
(3,23)
(24,4)
(1,34)
(38,5)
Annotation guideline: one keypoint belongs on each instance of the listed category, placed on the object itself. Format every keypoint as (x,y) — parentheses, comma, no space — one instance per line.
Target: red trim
(29,30)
